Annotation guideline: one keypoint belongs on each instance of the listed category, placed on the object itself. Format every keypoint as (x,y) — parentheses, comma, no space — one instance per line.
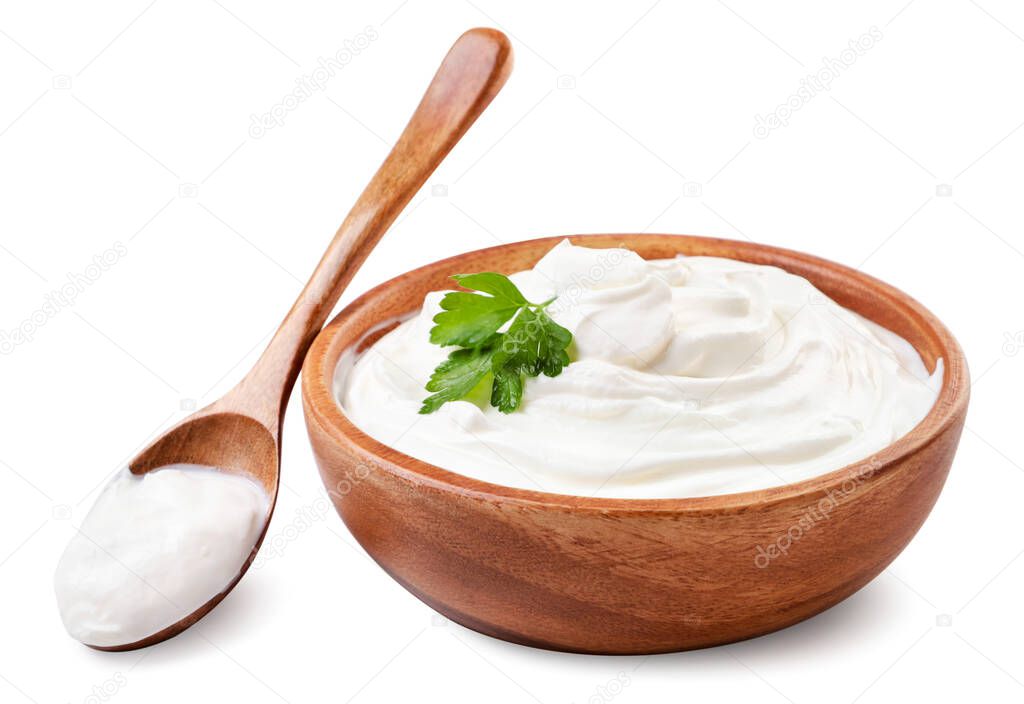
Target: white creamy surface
(154,548)
(692,376)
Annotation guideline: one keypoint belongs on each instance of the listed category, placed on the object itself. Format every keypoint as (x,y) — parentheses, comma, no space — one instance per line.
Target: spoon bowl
(231,442)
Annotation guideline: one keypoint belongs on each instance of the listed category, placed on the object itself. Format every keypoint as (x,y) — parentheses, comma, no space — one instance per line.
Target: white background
(128,122)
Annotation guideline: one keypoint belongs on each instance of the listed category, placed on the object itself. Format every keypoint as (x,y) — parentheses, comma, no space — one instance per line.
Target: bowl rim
(320,406)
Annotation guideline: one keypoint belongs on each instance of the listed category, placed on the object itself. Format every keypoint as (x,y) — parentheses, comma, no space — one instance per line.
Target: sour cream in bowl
(691,376)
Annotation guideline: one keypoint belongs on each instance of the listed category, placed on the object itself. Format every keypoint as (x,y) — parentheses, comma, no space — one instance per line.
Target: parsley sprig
(534,344)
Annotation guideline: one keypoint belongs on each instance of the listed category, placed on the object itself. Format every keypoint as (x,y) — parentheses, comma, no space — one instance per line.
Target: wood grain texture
(240,433)
(632,575)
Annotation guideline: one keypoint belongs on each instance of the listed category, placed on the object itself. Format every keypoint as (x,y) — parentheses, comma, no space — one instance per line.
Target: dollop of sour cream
(691,376)
(154,548)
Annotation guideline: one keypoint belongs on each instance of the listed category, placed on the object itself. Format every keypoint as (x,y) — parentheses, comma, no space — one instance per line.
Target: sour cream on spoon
(691,376)
(154,548)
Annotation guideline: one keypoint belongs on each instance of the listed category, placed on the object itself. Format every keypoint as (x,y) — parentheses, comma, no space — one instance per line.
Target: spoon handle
(471,74)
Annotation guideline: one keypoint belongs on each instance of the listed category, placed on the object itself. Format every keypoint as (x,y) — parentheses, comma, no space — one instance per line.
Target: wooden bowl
(600,575)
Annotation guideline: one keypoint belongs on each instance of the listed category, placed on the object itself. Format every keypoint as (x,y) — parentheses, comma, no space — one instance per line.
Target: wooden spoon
(241,432)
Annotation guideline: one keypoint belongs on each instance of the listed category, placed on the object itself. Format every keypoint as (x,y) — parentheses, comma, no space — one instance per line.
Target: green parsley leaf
(506,389)
(469,319)
(534,343)
(498,285)
(455,377)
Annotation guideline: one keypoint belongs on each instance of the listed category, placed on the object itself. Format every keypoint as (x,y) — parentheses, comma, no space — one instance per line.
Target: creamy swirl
(691,376)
